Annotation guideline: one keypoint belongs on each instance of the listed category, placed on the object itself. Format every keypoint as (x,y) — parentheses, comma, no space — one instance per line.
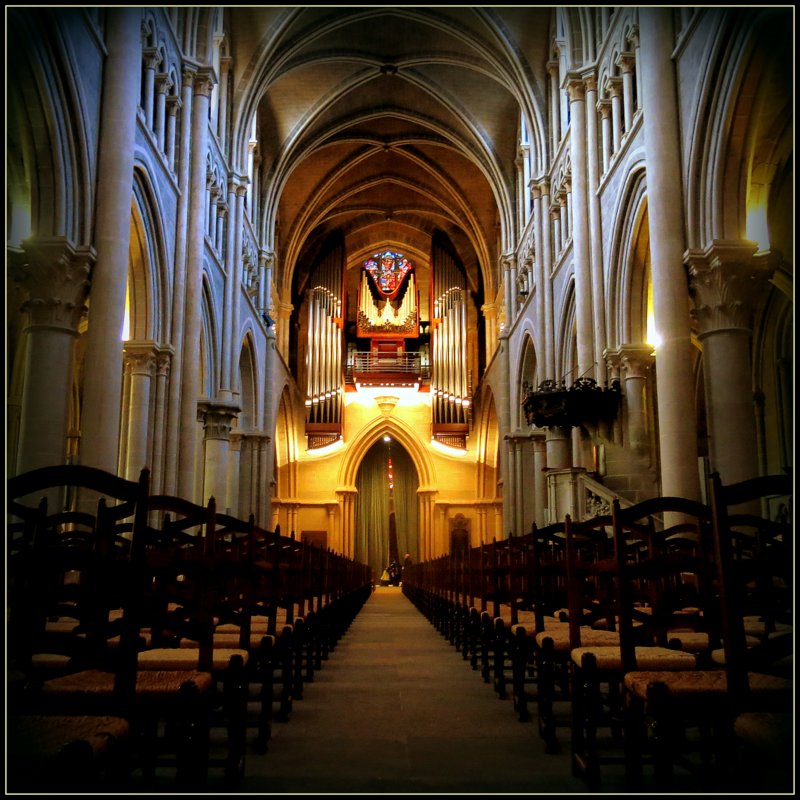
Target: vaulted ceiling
(386,124)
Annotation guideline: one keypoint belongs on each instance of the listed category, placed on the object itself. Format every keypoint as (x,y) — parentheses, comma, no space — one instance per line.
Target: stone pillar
(595,242)
(636,359)
(222,122)
(236,232)
(604,108)
(633,41)
(537,275)
(266,260)
(615,90)
(195,256)
(141,358)
(625,63)
(539,477)
(152,58)
(728,280)
(284,311)
(426,502)
(674,357)
(547,289)
(559,448)
(613,367)
(580,234)
(509,267)
(172,444)
(347,504)
(481,511)
(237,509)
(490,316)
(102,387)
(555,216)
(163,364)
(173,105)
(163,85)
(217,419)
(226,388)
(55,278)
(502,401)
(555,121)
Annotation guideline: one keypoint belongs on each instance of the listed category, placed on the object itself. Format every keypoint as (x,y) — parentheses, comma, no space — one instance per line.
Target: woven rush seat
(229,640)
(589,636)
(654,658)
(186,658)
(770,734)
(693,684)
(528,627)
(151,685)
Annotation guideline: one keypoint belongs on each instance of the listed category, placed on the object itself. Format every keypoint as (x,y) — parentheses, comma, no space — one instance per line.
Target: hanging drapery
(372,506)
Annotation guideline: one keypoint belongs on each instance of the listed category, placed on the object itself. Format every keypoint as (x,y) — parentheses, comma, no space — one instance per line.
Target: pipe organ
(450,390)
(324,366)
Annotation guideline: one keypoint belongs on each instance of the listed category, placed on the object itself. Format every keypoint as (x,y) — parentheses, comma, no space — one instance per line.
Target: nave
(396,710)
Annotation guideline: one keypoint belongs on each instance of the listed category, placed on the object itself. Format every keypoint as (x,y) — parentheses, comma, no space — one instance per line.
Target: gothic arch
(745,105)
(527,375)
(487,428)
(248,386)
(46,139)
(566,337)
(370,434)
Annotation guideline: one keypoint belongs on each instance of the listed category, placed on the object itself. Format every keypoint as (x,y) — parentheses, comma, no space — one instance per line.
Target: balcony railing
(376,367)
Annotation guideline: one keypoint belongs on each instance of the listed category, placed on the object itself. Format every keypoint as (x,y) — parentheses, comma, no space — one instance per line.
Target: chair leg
(546,695)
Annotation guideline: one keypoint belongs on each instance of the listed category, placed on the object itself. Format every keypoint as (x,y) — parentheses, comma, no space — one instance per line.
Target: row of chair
(141,627)
(659,634)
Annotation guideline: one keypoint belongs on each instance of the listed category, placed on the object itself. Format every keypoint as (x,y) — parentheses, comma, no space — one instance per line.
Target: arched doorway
(386,515)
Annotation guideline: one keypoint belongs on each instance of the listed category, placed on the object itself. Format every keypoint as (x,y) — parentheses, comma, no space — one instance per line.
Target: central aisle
(396,709)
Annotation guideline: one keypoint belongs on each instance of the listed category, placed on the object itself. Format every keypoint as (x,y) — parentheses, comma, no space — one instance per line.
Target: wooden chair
(186,589)
(72,645)
(751,581)
(639,597)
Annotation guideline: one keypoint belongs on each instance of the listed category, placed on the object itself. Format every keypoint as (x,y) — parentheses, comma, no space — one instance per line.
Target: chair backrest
(753,548)
(73,532)
(662,570)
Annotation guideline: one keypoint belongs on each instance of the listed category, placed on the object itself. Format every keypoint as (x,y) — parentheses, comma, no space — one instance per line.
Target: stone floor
(396,710)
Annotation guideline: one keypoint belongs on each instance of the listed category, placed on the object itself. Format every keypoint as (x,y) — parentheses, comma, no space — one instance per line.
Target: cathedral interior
(402,281)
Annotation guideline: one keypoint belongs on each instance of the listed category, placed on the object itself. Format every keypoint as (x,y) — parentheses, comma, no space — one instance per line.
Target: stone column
(555,216)
(595,242)
(217,419)
(103,380)
(633,41)
(481,511)
(728,280)
(537,274)
(580,233)
(237,508)
(426,502)
(503,400)
(163,363)
(226,388)
(613,368)
(195,256)
(173,105)
(282,334)
(547,289)
(141,358)
(163,85)
(636,359)
(55,278)
(615,90)
(490,315)
(555,121)
(674,357)
(625,63)
(604,107)
(172,444)
(559,448)
(539,477)
(222,123)
(152,58)
(509,267)
(347,501)
(236,232)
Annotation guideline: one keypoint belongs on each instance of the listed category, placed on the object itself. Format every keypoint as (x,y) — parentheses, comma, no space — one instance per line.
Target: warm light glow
(653,336)
(327,450)
(446,449)
(126,323)
(387,438)
(756,226)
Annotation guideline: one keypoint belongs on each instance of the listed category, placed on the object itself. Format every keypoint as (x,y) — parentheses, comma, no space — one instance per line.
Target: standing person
(407,562)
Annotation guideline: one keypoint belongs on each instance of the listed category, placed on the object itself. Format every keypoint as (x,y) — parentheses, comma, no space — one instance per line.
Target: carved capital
(590,81)
(140,357)
(576,89)
(173,105)
(626,62)
(204,80)
(604,108)
(635,359)
(55,277)
(727,280)
(163,83)
(151,57)
(217,418)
